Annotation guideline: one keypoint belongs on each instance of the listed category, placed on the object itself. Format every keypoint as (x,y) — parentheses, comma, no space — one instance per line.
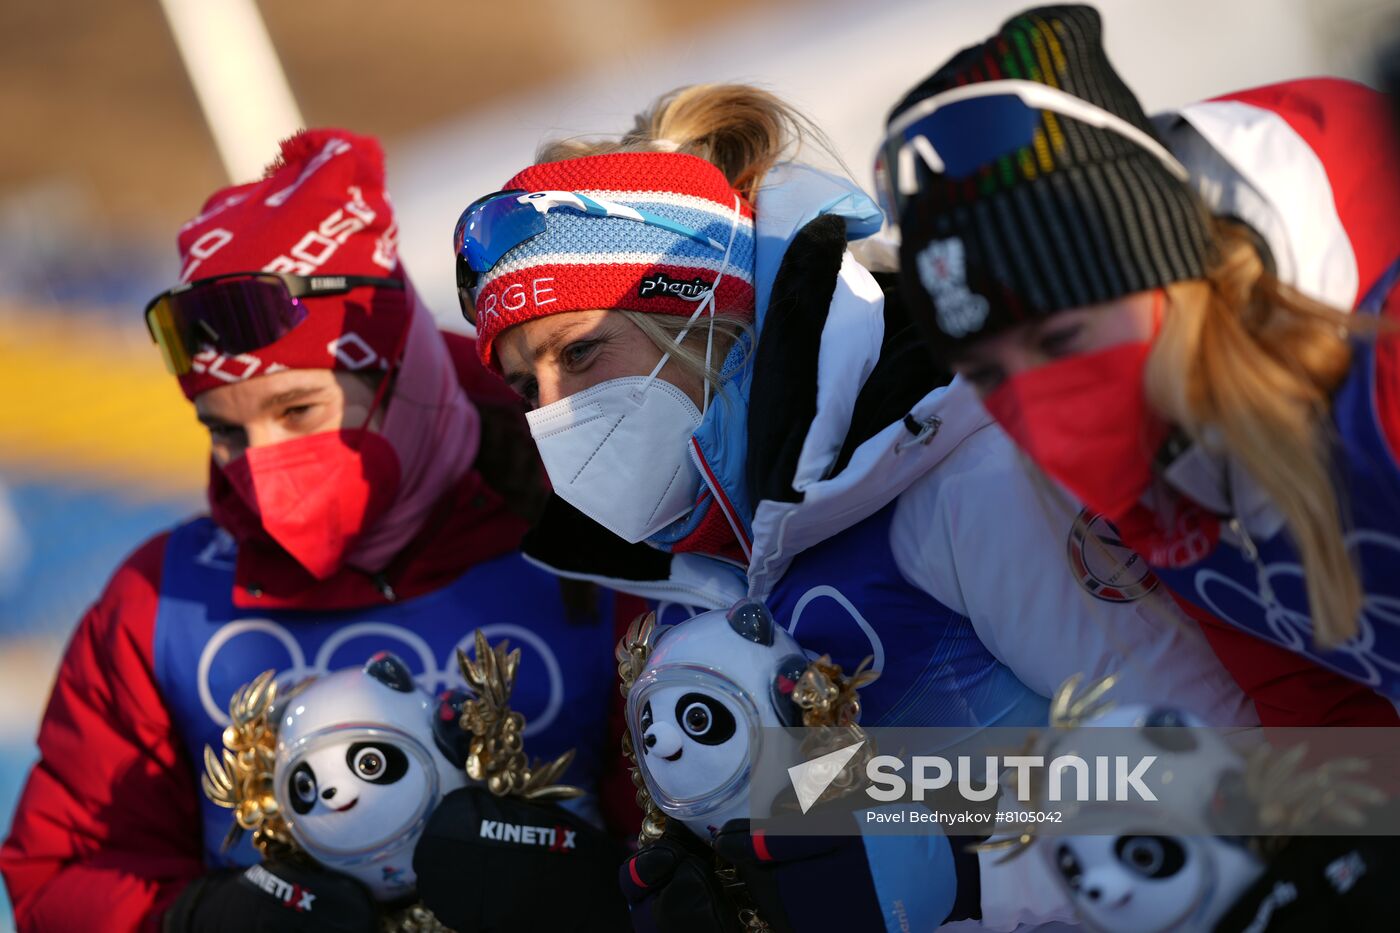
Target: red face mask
(313,495)
(1085,422)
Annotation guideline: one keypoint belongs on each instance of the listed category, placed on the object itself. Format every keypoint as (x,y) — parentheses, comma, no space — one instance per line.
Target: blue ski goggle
(493,225)
(953,134)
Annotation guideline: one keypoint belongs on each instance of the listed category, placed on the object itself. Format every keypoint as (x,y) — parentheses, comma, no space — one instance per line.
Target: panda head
(697,710)
(1129,882)
(360,766)
(357,779)
(693,738)
(1145,882)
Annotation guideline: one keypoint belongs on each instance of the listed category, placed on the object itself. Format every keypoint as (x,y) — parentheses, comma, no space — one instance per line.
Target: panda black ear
(1233,810)
(452,740)
(785,679)
(1165,728)
(389,669)
(751,619)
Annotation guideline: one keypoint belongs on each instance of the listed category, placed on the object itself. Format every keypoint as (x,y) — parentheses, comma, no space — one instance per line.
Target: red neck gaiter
(1085,421)
(313,496)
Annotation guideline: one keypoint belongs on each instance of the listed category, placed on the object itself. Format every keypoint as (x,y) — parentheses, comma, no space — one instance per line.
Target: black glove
(488,863)
(672,887)
(276,897)
(783,873)
(1322,883)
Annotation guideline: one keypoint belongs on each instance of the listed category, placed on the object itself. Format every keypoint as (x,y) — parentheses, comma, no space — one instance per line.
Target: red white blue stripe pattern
(584,262)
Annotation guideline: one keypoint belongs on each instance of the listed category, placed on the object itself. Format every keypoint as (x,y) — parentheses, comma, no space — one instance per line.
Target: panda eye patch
(646,715)
(302,785)
(1069,867)
(376,762)
(1153,857)
(705,719)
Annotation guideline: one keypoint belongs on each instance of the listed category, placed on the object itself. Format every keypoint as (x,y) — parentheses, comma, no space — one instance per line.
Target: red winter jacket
(1312,166)
(107,832)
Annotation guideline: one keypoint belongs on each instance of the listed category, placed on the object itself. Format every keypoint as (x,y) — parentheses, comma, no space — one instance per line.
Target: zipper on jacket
(922,431)
(384,588)
(721,500)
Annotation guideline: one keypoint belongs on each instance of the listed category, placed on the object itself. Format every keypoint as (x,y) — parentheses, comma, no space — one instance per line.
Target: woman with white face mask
(727,407)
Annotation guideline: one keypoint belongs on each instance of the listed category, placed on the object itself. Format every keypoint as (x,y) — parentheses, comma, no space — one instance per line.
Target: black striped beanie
(1081,216)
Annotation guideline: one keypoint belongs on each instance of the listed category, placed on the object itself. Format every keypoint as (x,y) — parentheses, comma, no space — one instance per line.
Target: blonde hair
(742,130)
(1248,362)
(689,355)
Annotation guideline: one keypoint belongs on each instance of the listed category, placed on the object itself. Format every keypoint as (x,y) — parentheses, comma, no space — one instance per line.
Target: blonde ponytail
(1249,361)
(743,130)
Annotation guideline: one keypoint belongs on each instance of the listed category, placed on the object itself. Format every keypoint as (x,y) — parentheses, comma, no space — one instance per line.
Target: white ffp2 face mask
(619,452)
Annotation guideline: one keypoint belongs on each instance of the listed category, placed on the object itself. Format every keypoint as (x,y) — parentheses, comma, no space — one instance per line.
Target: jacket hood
(1309,165)
(846,408)
(791,197)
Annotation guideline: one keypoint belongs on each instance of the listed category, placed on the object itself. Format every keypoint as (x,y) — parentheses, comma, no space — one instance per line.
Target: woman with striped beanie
(728,406)
(1157,315)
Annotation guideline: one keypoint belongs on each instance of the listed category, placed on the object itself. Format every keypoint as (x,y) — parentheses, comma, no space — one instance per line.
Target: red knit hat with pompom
(320,208)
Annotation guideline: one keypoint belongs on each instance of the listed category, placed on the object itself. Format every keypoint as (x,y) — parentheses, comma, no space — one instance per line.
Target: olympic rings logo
(1358,657)
(877,647)
(435,676)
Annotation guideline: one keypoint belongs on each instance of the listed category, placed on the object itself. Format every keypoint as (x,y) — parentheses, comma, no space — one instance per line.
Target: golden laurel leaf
(1288,796)
(1071,707)
(416,918)
(496,750)
(1012,846)
(240,779)
(827,697)
(633,650)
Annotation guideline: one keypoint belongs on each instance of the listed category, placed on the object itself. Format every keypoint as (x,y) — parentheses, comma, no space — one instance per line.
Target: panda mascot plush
(426,805)
(698,711)
(1186,861)
(1174,864)
(363,758)
(703,700)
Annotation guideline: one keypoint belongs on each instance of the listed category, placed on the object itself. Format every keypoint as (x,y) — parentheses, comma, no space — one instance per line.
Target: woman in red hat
(728,406)
(1193,339)
(369,485)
